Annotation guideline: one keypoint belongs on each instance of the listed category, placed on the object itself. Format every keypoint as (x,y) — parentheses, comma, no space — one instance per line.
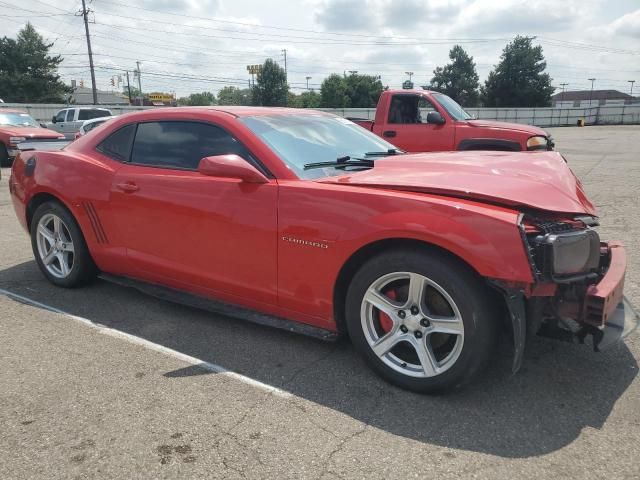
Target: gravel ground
(78,403)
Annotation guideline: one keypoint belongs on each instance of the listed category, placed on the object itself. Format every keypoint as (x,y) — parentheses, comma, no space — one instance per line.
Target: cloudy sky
(194,45)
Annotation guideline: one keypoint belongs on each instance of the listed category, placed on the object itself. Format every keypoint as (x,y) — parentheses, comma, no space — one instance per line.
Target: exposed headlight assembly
(568,254)
(538,143)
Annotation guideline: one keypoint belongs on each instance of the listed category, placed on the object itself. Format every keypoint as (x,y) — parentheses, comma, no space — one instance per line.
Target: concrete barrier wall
(543,117)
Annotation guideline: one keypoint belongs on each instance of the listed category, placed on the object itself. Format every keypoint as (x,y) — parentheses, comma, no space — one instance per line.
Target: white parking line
(212,367)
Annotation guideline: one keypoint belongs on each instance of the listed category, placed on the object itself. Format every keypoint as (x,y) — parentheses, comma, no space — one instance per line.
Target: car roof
(100,119)
(236,111)
(411,90)
(11,110)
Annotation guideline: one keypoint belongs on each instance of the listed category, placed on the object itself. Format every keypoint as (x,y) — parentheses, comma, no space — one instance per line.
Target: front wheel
(421,319)
(59,247)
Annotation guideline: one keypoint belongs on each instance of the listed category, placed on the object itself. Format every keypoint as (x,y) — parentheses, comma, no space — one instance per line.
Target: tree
(27,72)
(457,79)
(134,92)
(333,92)
(518,80)
(271,87)
(363,90)
(234,96)
(350,91)
(308,99)
(198,99)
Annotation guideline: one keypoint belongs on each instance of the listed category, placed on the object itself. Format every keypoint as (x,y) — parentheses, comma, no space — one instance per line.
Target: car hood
(523,180)
(518,127)
(29,132)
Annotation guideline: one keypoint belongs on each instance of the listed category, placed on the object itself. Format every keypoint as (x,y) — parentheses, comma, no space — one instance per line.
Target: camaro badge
(308,243)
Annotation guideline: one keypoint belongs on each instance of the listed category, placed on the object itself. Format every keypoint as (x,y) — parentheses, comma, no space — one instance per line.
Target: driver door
(409,127)
(206,234)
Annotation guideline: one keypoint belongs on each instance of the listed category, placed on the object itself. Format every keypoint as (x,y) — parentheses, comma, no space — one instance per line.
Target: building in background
(581,98)
(84,96)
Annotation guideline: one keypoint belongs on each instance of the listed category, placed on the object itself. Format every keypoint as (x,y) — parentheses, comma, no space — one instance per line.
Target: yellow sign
(254,69)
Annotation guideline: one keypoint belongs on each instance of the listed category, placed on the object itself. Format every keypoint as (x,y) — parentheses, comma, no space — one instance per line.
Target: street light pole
(410,75)
(308,78)
(591,92)
(631,82)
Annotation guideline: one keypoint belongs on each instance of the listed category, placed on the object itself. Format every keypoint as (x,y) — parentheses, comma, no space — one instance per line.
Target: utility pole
(562,94)
(631,82)
(128,87)
(139,82)
(85,15)
(591,93)
(308,78)
(284,52)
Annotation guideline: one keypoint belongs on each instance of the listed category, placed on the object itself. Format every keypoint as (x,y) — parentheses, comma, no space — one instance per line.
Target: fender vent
(98,230)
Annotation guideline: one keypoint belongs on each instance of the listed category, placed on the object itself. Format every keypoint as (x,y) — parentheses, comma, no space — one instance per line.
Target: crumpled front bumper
(602,298)
(606,312)
(601,313)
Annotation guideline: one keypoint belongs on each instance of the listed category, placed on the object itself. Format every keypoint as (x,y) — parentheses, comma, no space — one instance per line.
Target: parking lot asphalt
(78,401)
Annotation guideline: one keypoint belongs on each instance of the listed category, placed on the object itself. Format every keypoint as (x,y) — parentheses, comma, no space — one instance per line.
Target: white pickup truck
(69,120)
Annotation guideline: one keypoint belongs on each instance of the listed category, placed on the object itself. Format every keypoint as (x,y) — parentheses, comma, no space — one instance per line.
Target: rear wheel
(59,247)
(4,157)
(422,320)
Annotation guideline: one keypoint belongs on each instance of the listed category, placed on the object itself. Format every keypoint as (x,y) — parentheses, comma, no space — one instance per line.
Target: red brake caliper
(385,321)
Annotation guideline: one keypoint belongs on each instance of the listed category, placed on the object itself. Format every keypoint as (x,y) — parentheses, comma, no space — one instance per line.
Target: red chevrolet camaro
(303,220)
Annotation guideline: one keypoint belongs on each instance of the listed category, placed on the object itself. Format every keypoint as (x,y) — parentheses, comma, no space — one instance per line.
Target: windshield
(452,107)
(17,120)
(304,139)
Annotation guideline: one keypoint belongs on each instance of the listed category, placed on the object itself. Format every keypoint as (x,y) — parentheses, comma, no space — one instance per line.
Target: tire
(62,244)
(454,323)
(4,157)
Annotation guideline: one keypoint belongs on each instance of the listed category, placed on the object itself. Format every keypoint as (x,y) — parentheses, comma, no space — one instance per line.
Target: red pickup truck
(426,121)
(17,127)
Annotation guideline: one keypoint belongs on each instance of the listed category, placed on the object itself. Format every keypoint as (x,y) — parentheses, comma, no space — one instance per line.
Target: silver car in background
(89,125)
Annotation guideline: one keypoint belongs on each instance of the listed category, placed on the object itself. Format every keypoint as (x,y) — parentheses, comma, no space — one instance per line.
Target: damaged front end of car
(578,290)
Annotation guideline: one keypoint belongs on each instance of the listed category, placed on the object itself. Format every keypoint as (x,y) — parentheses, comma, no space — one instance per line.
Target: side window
(60,116)
(88,114)
(118,144)
(70,113)
(424,107)
(404,109)
(181,145)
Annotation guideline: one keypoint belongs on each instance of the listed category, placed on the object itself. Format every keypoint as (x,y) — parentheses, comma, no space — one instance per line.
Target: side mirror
(53,119)
(435,117)
(42,125)
(231,166)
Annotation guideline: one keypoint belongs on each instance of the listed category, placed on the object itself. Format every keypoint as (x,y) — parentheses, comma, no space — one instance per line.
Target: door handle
(128,187)
(389,133)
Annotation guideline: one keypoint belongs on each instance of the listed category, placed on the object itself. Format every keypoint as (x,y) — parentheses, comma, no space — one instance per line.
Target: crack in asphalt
(343,443)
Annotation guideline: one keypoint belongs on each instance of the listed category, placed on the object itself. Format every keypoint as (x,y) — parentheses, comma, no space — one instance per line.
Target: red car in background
(426,121)
(304,220)
(17,126)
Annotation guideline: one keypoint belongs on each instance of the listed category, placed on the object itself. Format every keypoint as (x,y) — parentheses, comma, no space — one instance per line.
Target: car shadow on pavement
(561,388)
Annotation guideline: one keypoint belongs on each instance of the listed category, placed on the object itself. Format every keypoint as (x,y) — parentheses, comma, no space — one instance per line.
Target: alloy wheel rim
(55,246)
(412,324)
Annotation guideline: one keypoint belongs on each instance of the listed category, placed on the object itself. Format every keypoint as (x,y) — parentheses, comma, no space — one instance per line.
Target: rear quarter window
(118,144)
